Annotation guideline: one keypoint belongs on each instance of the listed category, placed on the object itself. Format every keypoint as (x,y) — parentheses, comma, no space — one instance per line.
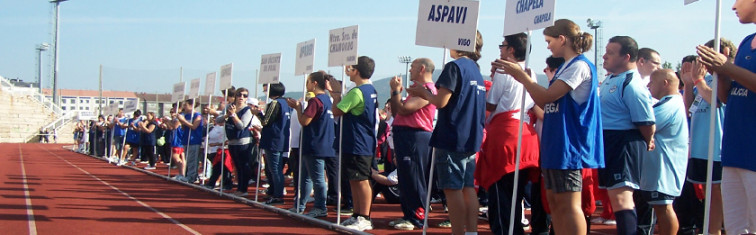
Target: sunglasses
(503,46)
(242,95)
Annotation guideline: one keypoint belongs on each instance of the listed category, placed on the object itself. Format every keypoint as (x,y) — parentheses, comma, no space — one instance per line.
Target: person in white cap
(255,127)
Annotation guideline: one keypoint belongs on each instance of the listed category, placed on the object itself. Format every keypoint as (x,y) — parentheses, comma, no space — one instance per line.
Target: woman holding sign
(572,138)
(461,102)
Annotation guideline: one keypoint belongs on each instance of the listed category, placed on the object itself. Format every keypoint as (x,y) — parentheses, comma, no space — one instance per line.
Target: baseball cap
(253,101)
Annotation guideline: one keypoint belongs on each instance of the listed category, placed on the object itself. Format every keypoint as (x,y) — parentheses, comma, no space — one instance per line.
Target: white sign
(342,46)
(448,24)
(690,1)
(113,108)
(130,105)
(524,15)
(194,86)
(178,92)
(225,78)
(305,57)
(270,68)
(210,84)
(87,115)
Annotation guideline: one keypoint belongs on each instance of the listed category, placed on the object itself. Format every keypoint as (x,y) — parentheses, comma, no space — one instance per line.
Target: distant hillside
(384,92)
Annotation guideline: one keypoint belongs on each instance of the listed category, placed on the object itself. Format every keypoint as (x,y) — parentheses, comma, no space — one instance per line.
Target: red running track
(50,190)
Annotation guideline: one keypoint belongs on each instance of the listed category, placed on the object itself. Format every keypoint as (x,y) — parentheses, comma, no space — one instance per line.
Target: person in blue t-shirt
(192,137)
(275,140)
(628,124)
(456,139)
(572,137)
(359,109)
(736,88)
(132,138)
(697,96)
(664,167)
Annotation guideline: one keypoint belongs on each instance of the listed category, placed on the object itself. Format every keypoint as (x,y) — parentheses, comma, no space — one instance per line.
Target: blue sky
(142,44)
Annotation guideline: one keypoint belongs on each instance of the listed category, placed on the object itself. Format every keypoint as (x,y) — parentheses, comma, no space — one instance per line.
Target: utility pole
(406,60)
(56,100)
(596,26)
(40,48)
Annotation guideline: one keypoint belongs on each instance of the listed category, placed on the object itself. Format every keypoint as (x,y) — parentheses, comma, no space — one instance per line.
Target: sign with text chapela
(448,24)
(270,68)
(178,92)
(305,57)
(210,84)
(524,15)
(225,78)
(342,46)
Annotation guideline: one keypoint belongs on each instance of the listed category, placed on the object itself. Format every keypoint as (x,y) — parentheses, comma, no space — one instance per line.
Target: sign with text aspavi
(523,15)
(450,24)
(305,57)
(342,46)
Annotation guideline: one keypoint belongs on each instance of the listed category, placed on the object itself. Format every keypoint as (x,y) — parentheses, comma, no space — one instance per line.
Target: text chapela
(448,14)
(524,6)
(343,42)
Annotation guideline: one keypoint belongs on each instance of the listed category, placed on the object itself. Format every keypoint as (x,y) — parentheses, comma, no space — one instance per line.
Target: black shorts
(697,171)
(622,152)
(655,198)
(561,181)
(356,167)
(133,145)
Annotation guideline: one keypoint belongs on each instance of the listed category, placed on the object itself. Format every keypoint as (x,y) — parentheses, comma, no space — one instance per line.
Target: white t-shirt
(578,76)
(506,94)
(256,123)
(294,131)
(215,136)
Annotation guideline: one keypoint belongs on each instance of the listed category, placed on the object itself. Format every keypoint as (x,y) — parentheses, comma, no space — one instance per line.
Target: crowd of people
(636,140)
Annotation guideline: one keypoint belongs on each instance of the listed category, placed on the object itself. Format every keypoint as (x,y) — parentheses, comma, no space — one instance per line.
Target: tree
(667,65)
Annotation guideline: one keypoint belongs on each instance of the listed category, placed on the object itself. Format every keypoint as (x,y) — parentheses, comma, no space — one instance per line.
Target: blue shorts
(697,171)
(622,152)
(118,141)
(455,170)
(655,198)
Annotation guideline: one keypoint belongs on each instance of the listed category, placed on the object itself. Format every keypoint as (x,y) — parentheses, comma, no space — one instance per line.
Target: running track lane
(69,193)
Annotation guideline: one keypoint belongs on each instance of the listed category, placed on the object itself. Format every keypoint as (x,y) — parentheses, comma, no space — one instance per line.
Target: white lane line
(29,210)
(187,228)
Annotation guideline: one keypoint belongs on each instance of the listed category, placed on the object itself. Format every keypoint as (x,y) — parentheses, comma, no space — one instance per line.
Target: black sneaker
(274,201)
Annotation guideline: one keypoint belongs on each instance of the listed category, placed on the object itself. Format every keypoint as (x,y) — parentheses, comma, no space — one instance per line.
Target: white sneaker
(361,224)
(610,222)
(404,225)
(598,220)
(349,221)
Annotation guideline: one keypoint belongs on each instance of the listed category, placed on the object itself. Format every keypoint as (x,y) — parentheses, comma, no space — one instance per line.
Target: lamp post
(406,60)
(55,55)
(40,48)
(595,25)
